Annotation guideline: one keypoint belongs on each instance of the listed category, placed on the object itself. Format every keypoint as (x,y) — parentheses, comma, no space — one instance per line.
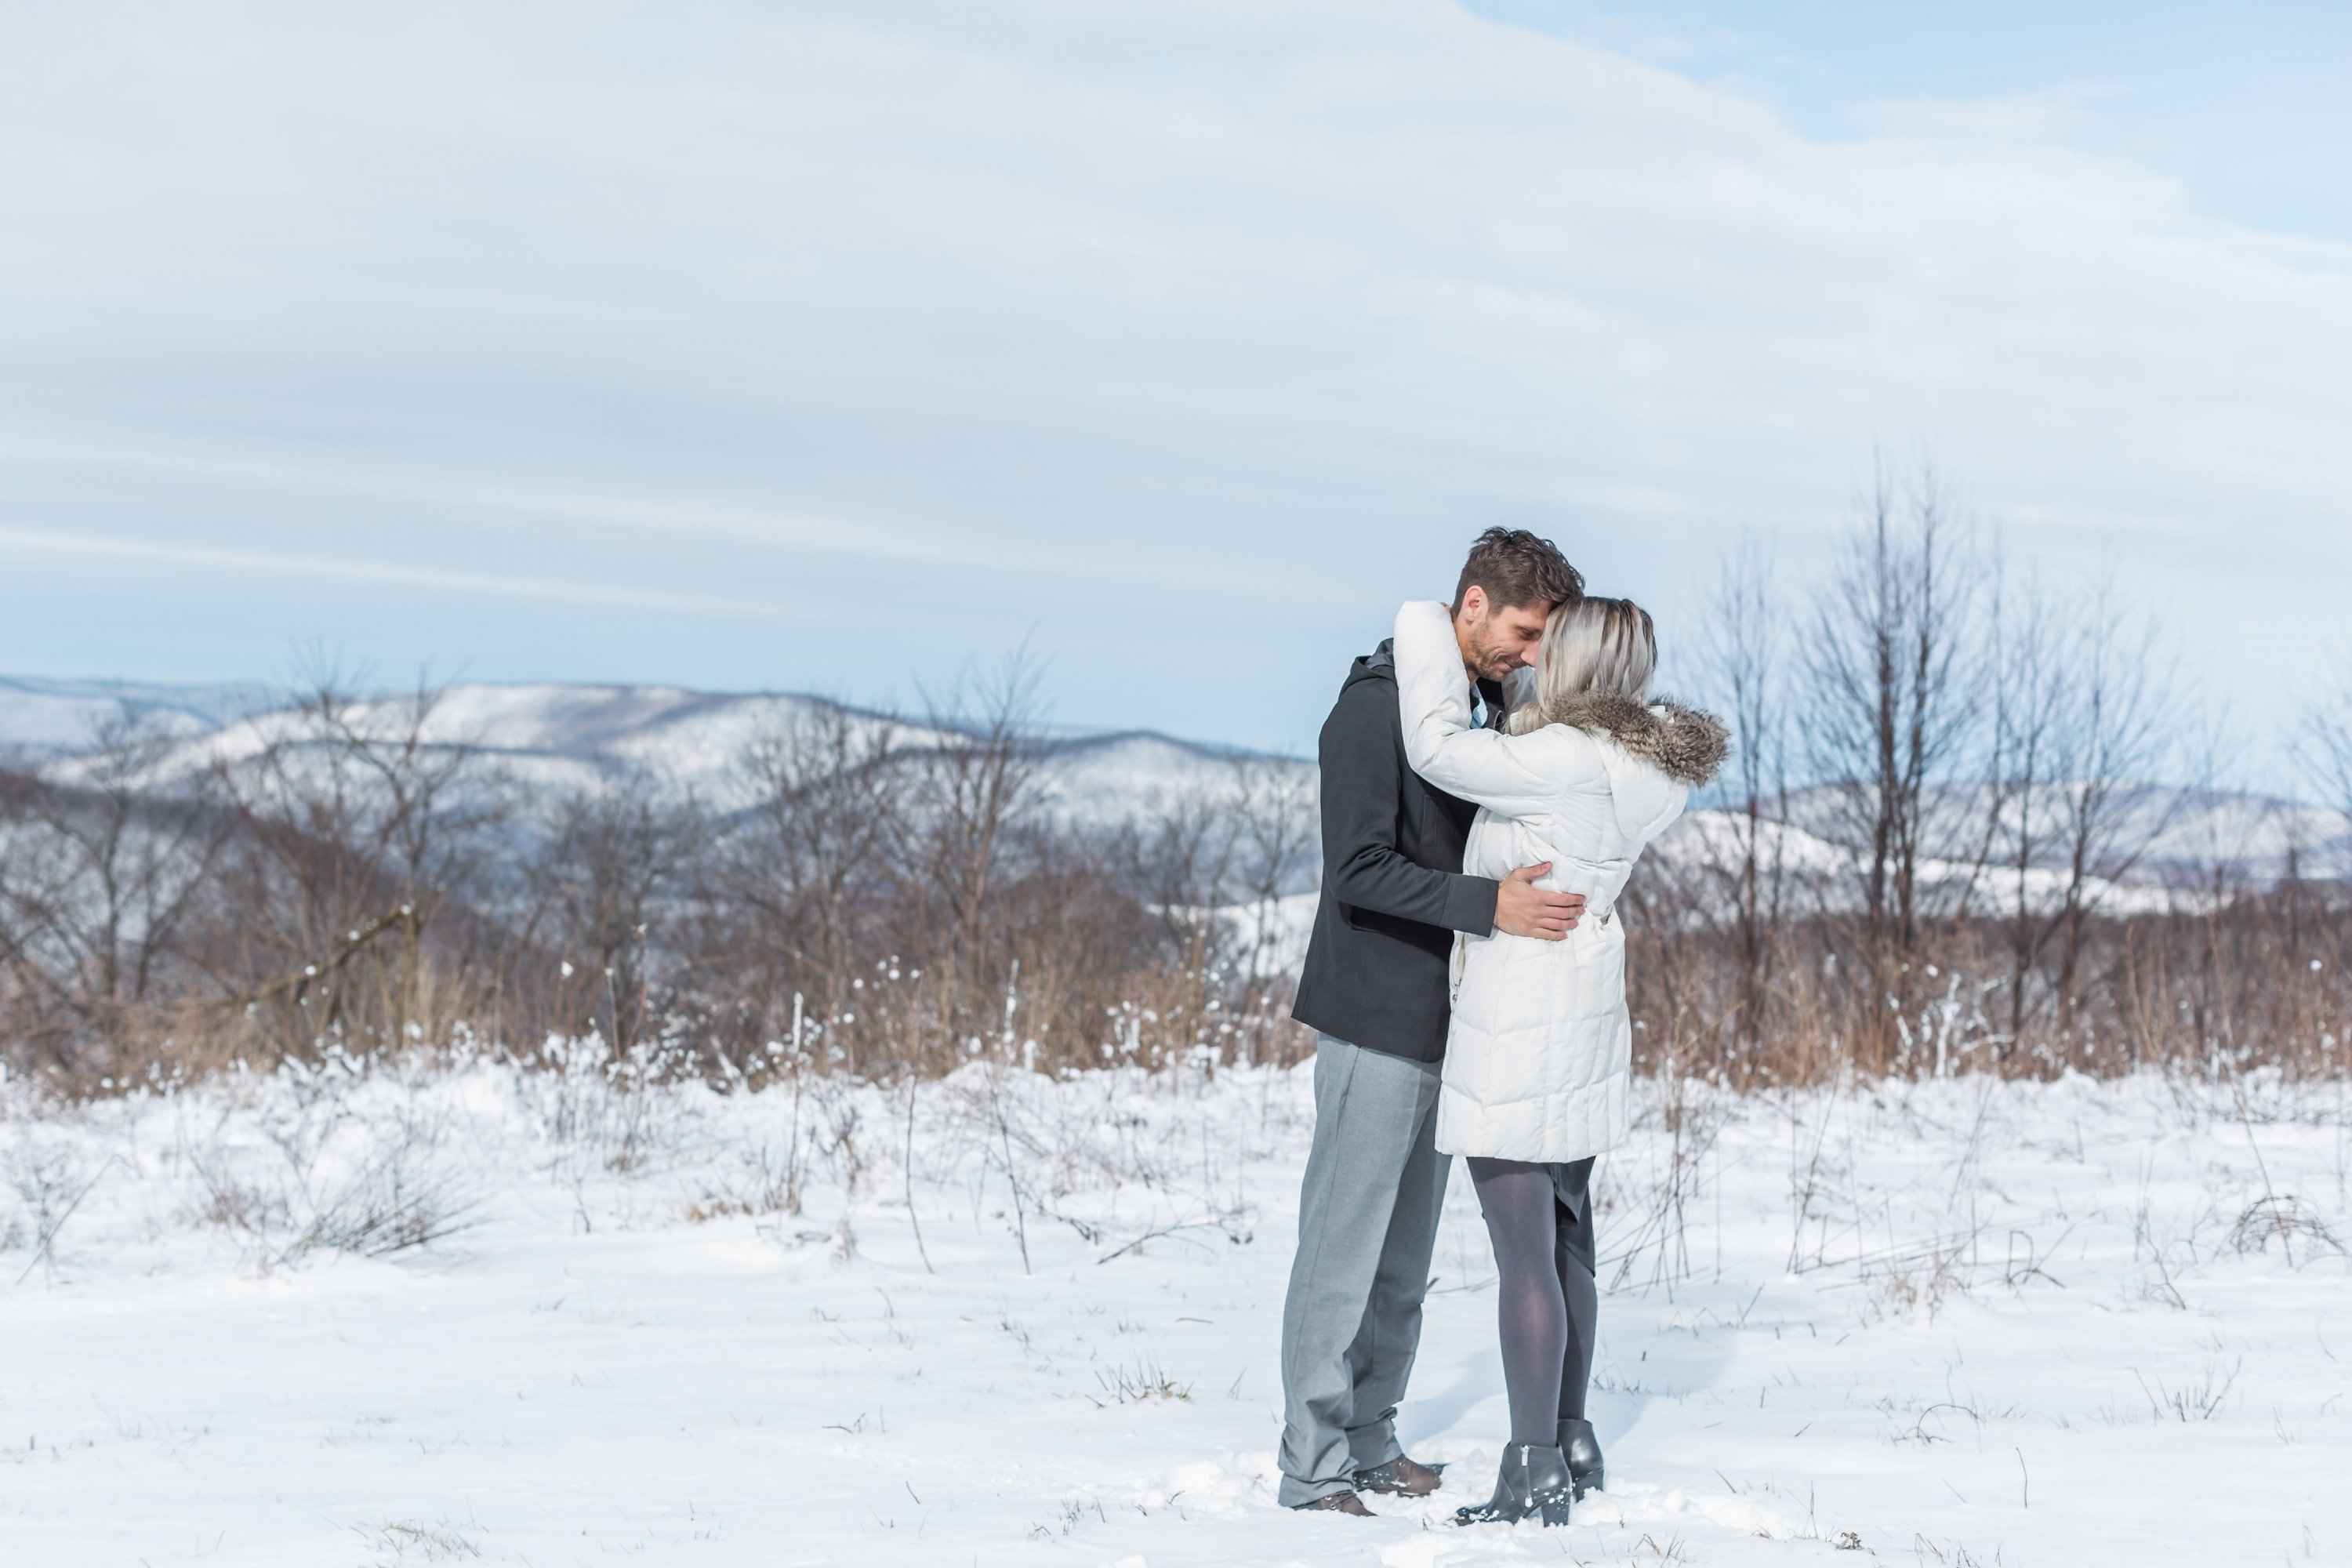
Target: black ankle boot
(1532,1481)
(1585,1469)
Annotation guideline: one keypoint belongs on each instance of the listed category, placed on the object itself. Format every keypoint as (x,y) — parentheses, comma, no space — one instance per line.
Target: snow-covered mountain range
(556,739)
(2168,836)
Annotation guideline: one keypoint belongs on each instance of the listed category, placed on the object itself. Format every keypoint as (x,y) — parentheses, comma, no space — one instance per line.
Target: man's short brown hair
(1518,570)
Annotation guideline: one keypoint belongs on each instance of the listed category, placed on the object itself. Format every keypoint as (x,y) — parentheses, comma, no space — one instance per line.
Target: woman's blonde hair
(1603,646)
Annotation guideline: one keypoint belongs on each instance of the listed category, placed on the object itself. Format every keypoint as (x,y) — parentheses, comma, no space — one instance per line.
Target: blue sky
(823,347)
(2242,104)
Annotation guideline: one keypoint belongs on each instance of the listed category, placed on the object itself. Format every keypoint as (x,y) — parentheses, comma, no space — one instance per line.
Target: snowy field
(1962,1322)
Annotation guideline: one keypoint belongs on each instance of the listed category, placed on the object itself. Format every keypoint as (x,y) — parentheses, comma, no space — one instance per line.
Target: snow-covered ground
(1964,1321)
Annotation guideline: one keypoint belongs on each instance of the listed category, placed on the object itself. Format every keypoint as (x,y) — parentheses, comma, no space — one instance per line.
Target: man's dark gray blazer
(1393,892)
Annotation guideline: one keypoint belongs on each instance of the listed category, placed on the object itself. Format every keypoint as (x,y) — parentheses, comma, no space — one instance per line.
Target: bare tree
(1889,702)
(1743,653)
(2323,747)
(2114,731)
(99,869)
(974,788)
(1180,866)
(1274,812)
(359,822)
(2213,875)
(810,857)
(2032,689)
(614,870)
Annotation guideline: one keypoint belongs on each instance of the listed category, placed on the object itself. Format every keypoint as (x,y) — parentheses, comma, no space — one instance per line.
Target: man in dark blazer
(1376,991)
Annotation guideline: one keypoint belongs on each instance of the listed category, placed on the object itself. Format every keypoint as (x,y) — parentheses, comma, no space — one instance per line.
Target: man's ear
(1473,603)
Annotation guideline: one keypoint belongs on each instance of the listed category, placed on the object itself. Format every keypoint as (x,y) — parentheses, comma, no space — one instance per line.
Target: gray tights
(1549,1303)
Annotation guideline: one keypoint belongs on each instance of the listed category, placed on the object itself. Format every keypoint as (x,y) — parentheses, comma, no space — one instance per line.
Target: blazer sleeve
(1502,773)
(1362,783)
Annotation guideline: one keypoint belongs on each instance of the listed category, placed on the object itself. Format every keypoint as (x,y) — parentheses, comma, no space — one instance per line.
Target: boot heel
(1531,1480)
(1582,1448)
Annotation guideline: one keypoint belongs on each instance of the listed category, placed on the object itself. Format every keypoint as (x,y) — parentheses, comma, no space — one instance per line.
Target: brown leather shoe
(1400,1477)
(1338,1503)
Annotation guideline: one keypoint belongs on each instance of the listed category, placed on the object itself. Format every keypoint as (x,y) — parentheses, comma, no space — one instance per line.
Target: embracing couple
(1490,775)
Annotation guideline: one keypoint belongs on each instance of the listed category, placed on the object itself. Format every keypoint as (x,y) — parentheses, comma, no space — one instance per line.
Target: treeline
(1930,855)
(1976,745)
(870,895)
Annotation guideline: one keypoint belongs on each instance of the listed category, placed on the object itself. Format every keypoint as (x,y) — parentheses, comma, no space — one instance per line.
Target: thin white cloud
(363,478)
(773,526)
(384,572)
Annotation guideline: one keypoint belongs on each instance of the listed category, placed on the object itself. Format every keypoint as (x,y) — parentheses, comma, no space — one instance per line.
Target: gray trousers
(1367,1226)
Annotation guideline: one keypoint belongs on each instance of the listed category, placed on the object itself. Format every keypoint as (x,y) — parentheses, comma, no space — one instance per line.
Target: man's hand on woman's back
(1523,908)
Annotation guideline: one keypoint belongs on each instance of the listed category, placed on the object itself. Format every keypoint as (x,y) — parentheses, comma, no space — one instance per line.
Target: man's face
(1498,640)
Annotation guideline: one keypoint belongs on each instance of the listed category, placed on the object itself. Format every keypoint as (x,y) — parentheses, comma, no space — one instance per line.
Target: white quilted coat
(1540,1057)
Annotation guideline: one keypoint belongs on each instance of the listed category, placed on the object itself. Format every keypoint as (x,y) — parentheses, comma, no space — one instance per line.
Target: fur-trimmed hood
(1684,744)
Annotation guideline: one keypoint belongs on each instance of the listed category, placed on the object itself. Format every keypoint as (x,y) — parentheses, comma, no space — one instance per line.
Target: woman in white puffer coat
(1586,772)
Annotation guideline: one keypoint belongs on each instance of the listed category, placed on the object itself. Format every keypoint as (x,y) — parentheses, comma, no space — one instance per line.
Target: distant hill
(556,739)
(2175,835)
(46,716)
